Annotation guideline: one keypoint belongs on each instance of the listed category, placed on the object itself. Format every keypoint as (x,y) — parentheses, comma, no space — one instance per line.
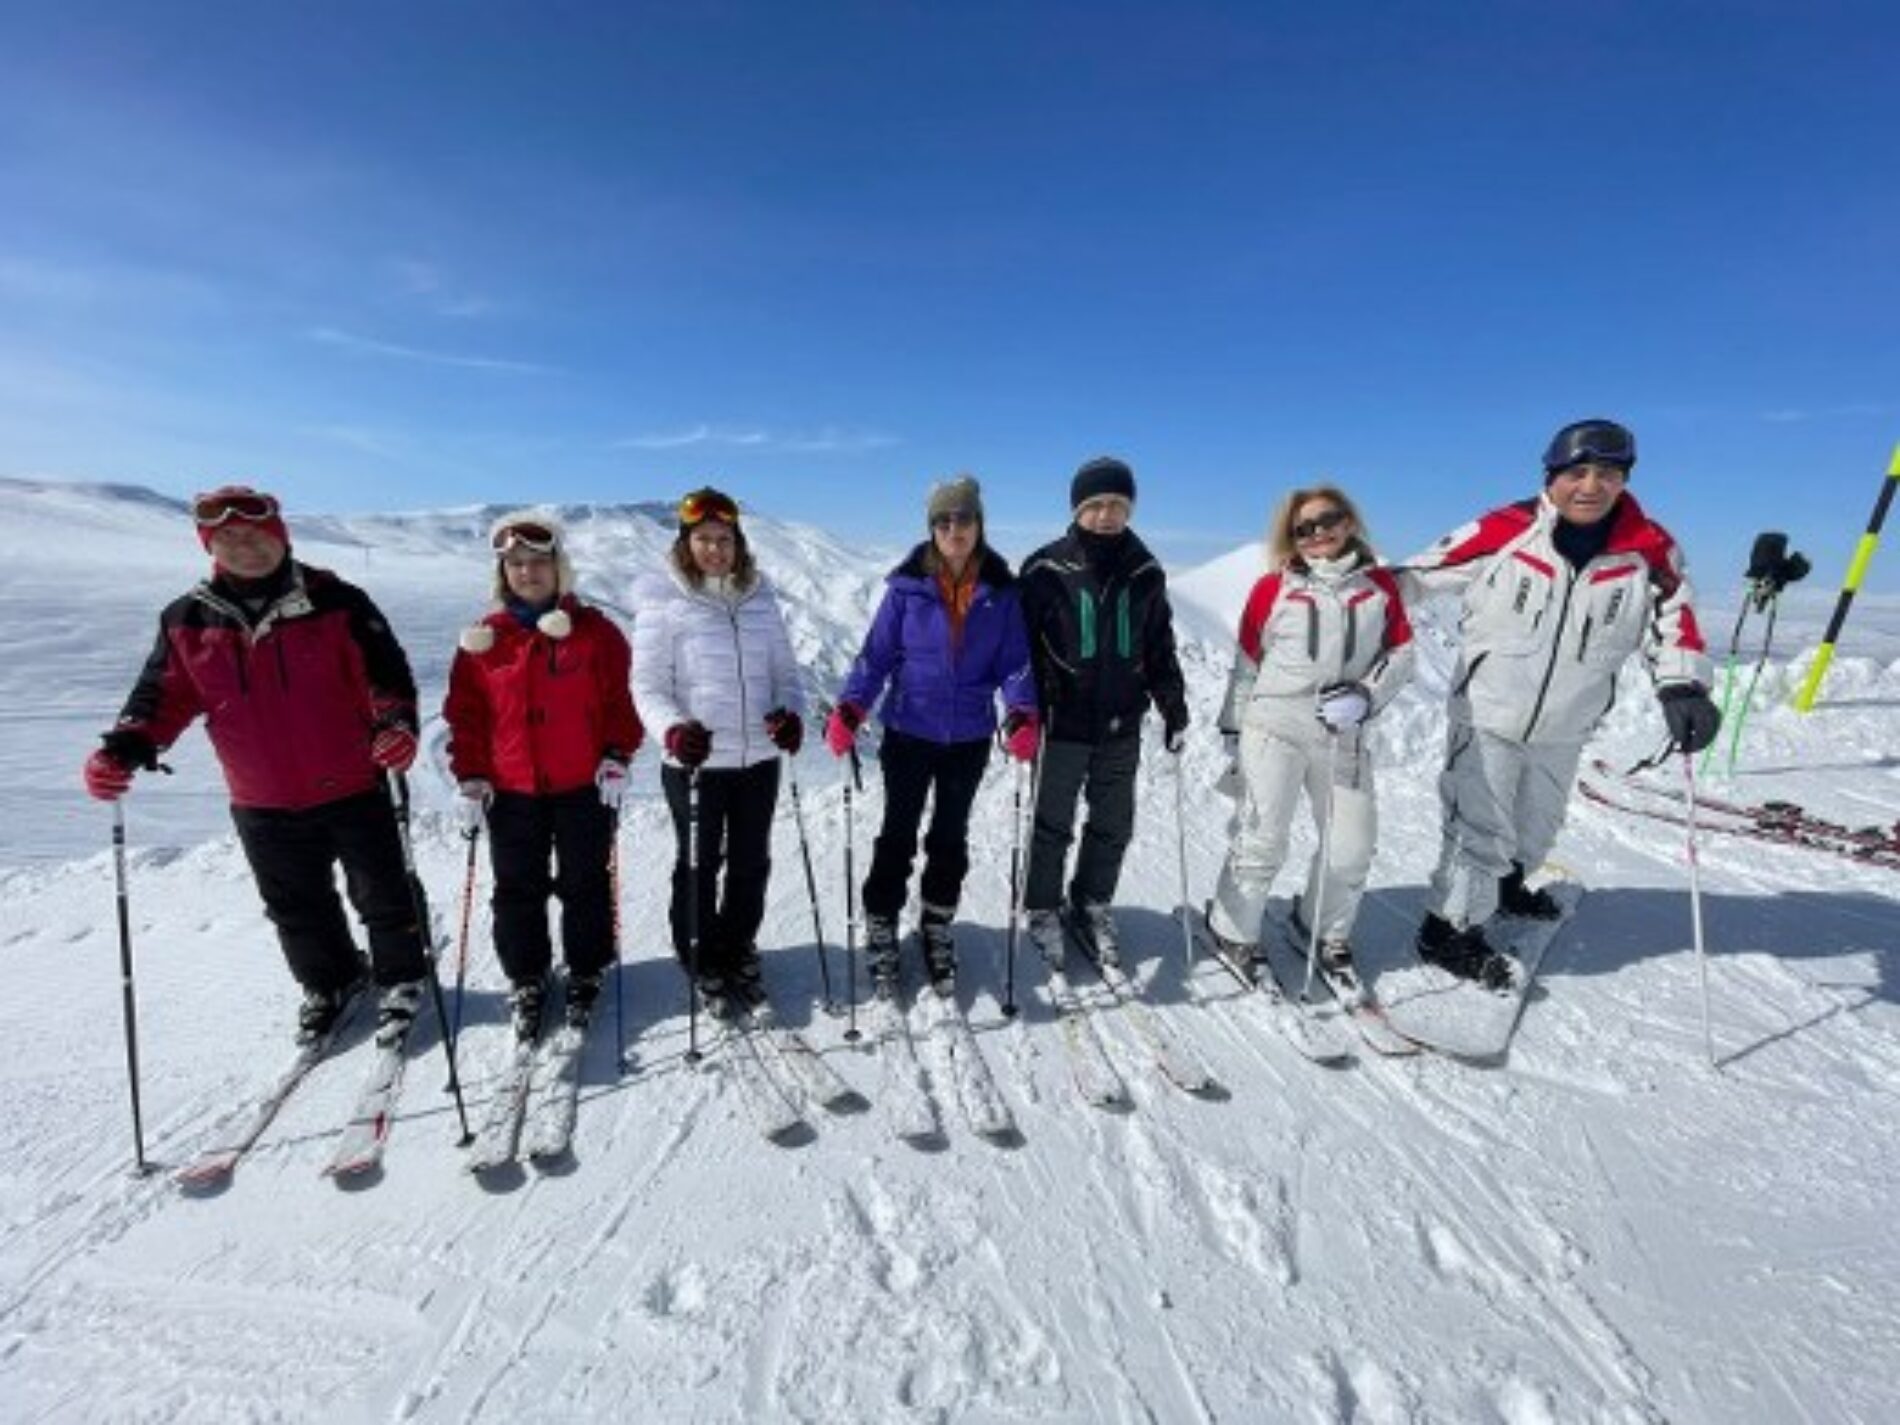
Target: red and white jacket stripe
(1542,642)
(1302,630)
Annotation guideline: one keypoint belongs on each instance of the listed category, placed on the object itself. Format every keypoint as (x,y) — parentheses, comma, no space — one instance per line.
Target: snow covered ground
(1603,1228)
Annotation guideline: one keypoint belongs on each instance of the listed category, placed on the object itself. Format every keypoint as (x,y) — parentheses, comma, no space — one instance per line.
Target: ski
(909,1107)
(777,1115)
(1286,953)
(1322,1037)
(1462,1018)
(817,1080)
(983,1105)
(1182,1067)
(366,1135)
(554,1094)
(1095,1075)
(499,1138)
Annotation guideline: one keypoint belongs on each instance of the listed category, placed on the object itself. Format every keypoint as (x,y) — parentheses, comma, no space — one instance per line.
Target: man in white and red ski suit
(1557,593)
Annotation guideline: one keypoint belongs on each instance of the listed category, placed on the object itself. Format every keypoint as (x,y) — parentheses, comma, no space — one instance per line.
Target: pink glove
(393,749)
(841,728)
(107,778)
(1021,736)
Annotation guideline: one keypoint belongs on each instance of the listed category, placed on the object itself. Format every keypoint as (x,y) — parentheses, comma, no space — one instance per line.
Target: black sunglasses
(1319,524)
(953,519)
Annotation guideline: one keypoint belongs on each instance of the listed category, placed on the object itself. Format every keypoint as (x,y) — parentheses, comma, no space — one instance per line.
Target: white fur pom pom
(477,639)
(555,623)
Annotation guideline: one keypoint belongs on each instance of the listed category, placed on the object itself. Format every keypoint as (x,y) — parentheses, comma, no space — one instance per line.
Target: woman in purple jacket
(948,637)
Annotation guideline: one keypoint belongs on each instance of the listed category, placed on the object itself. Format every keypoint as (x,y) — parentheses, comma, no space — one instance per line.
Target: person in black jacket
(1102,636)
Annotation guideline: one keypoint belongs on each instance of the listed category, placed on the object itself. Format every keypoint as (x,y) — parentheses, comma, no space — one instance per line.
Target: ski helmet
(1599,441)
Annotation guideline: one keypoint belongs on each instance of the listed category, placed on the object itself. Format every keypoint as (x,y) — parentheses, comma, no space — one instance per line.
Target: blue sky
(384,256)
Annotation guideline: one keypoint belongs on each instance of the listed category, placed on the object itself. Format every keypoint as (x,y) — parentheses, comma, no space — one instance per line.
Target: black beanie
(1104,475)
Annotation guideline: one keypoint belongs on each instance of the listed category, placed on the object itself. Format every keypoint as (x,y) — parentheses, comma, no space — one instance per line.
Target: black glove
(131,748)
(1174,723)
(786,729)
(1693,719)
(689,742)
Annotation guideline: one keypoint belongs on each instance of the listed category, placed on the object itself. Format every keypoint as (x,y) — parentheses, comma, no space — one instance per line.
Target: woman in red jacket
(542,726)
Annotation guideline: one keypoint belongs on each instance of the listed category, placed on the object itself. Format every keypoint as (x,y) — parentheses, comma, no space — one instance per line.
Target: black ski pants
(912,767)
(293,856)
(577,832)
(1105,770)
(736,805)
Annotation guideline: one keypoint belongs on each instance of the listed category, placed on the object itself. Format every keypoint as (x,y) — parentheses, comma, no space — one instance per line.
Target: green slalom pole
(1856,571)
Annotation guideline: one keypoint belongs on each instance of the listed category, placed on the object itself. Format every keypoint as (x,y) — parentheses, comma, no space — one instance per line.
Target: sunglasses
(953,519)
(708,505)
(1319,524)
(535,538)
(214,509)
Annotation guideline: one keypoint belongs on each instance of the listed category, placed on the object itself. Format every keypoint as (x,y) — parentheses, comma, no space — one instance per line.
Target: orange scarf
(957,596)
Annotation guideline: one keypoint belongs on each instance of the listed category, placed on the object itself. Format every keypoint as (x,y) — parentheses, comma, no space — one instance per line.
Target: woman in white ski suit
(1324,644)
(714,673)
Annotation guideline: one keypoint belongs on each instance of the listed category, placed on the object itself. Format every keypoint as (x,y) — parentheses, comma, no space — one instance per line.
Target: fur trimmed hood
(563,566)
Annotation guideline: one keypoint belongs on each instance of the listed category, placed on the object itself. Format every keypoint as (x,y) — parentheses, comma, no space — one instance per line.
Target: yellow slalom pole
(1856,571)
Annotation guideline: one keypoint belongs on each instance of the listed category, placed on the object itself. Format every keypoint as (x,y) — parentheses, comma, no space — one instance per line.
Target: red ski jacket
(535,713)
(291,700)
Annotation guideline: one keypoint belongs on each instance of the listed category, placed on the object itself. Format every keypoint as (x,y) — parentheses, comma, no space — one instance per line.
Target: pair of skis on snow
(905,1086)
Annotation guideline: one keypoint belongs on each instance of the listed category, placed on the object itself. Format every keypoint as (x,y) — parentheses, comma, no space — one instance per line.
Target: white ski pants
(1501,801)
(1275,766)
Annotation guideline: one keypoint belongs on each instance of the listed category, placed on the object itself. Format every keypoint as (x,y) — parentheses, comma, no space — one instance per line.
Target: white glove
(1230,783)
(1343,705)
(472,805)
(610,778)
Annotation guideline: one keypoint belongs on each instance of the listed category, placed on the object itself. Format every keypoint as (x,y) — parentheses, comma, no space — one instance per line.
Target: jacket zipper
(1556,652)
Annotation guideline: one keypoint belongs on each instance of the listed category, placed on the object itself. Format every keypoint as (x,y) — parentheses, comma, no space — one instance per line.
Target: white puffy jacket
(1542,642)
(717,655)
(1339,621)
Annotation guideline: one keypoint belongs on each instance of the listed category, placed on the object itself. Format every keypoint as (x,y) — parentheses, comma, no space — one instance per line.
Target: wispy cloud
(427,283)
(1792,415)
(330,336)
(827,440)
(360,438)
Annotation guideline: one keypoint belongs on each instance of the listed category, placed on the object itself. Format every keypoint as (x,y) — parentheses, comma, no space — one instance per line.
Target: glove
(610,778)
(841,728)
(1343,705)
(1693,719)
(688,743)
(1174,723)
(107,778)
(1230,783)
(1022,734)
(393,748)
(472,806)
(786,729)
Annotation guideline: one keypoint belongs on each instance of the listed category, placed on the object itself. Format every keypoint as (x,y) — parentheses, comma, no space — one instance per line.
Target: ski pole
(1180,848)
(811,886)
(620,997)
(1016,889)
(1324,864)
(1695,900)
(473,837)
(1856,571)
(399,800)
(129,996)
(1754,678)
(850,903)
(693,1056)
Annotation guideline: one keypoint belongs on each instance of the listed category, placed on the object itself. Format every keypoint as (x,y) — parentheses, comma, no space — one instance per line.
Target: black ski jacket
(1102,635)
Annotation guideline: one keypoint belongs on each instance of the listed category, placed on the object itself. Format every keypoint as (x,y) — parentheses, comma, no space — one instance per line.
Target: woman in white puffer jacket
(1324,644)
(714,672)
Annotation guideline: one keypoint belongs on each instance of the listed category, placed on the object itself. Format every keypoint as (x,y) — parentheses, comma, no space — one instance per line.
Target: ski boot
(1517,899)
(748,980)
(1095,931)
(583,992)
(397,1010)
(1046,934)
(940,950)
(1464,953)
(525,1003)
(1241,956)
(717,999)
(880,954)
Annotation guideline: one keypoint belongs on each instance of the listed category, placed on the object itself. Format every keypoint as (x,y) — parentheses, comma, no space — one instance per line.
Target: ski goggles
(535,538)
(704,505)
(1590,443)
(213,509)
(1320,524)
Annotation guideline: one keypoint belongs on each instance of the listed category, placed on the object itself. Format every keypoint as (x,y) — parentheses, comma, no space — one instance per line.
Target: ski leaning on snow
(366,1135)
(1287,947)
(554,1092)
(909,1108)
(1460,1017)
(1095,1075)
(1182,1066)
(1777,823)
(775,1112)
(1320,1033)
(215,1165)
(983,1105)
(816,1081)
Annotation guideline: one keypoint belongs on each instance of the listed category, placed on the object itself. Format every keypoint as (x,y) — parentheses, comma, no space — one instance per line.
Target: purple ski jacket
(934,694)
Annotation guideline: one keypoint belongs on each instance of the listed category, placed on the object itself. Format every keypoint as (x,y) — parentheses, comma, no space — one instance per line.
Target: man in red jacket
(308,701)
